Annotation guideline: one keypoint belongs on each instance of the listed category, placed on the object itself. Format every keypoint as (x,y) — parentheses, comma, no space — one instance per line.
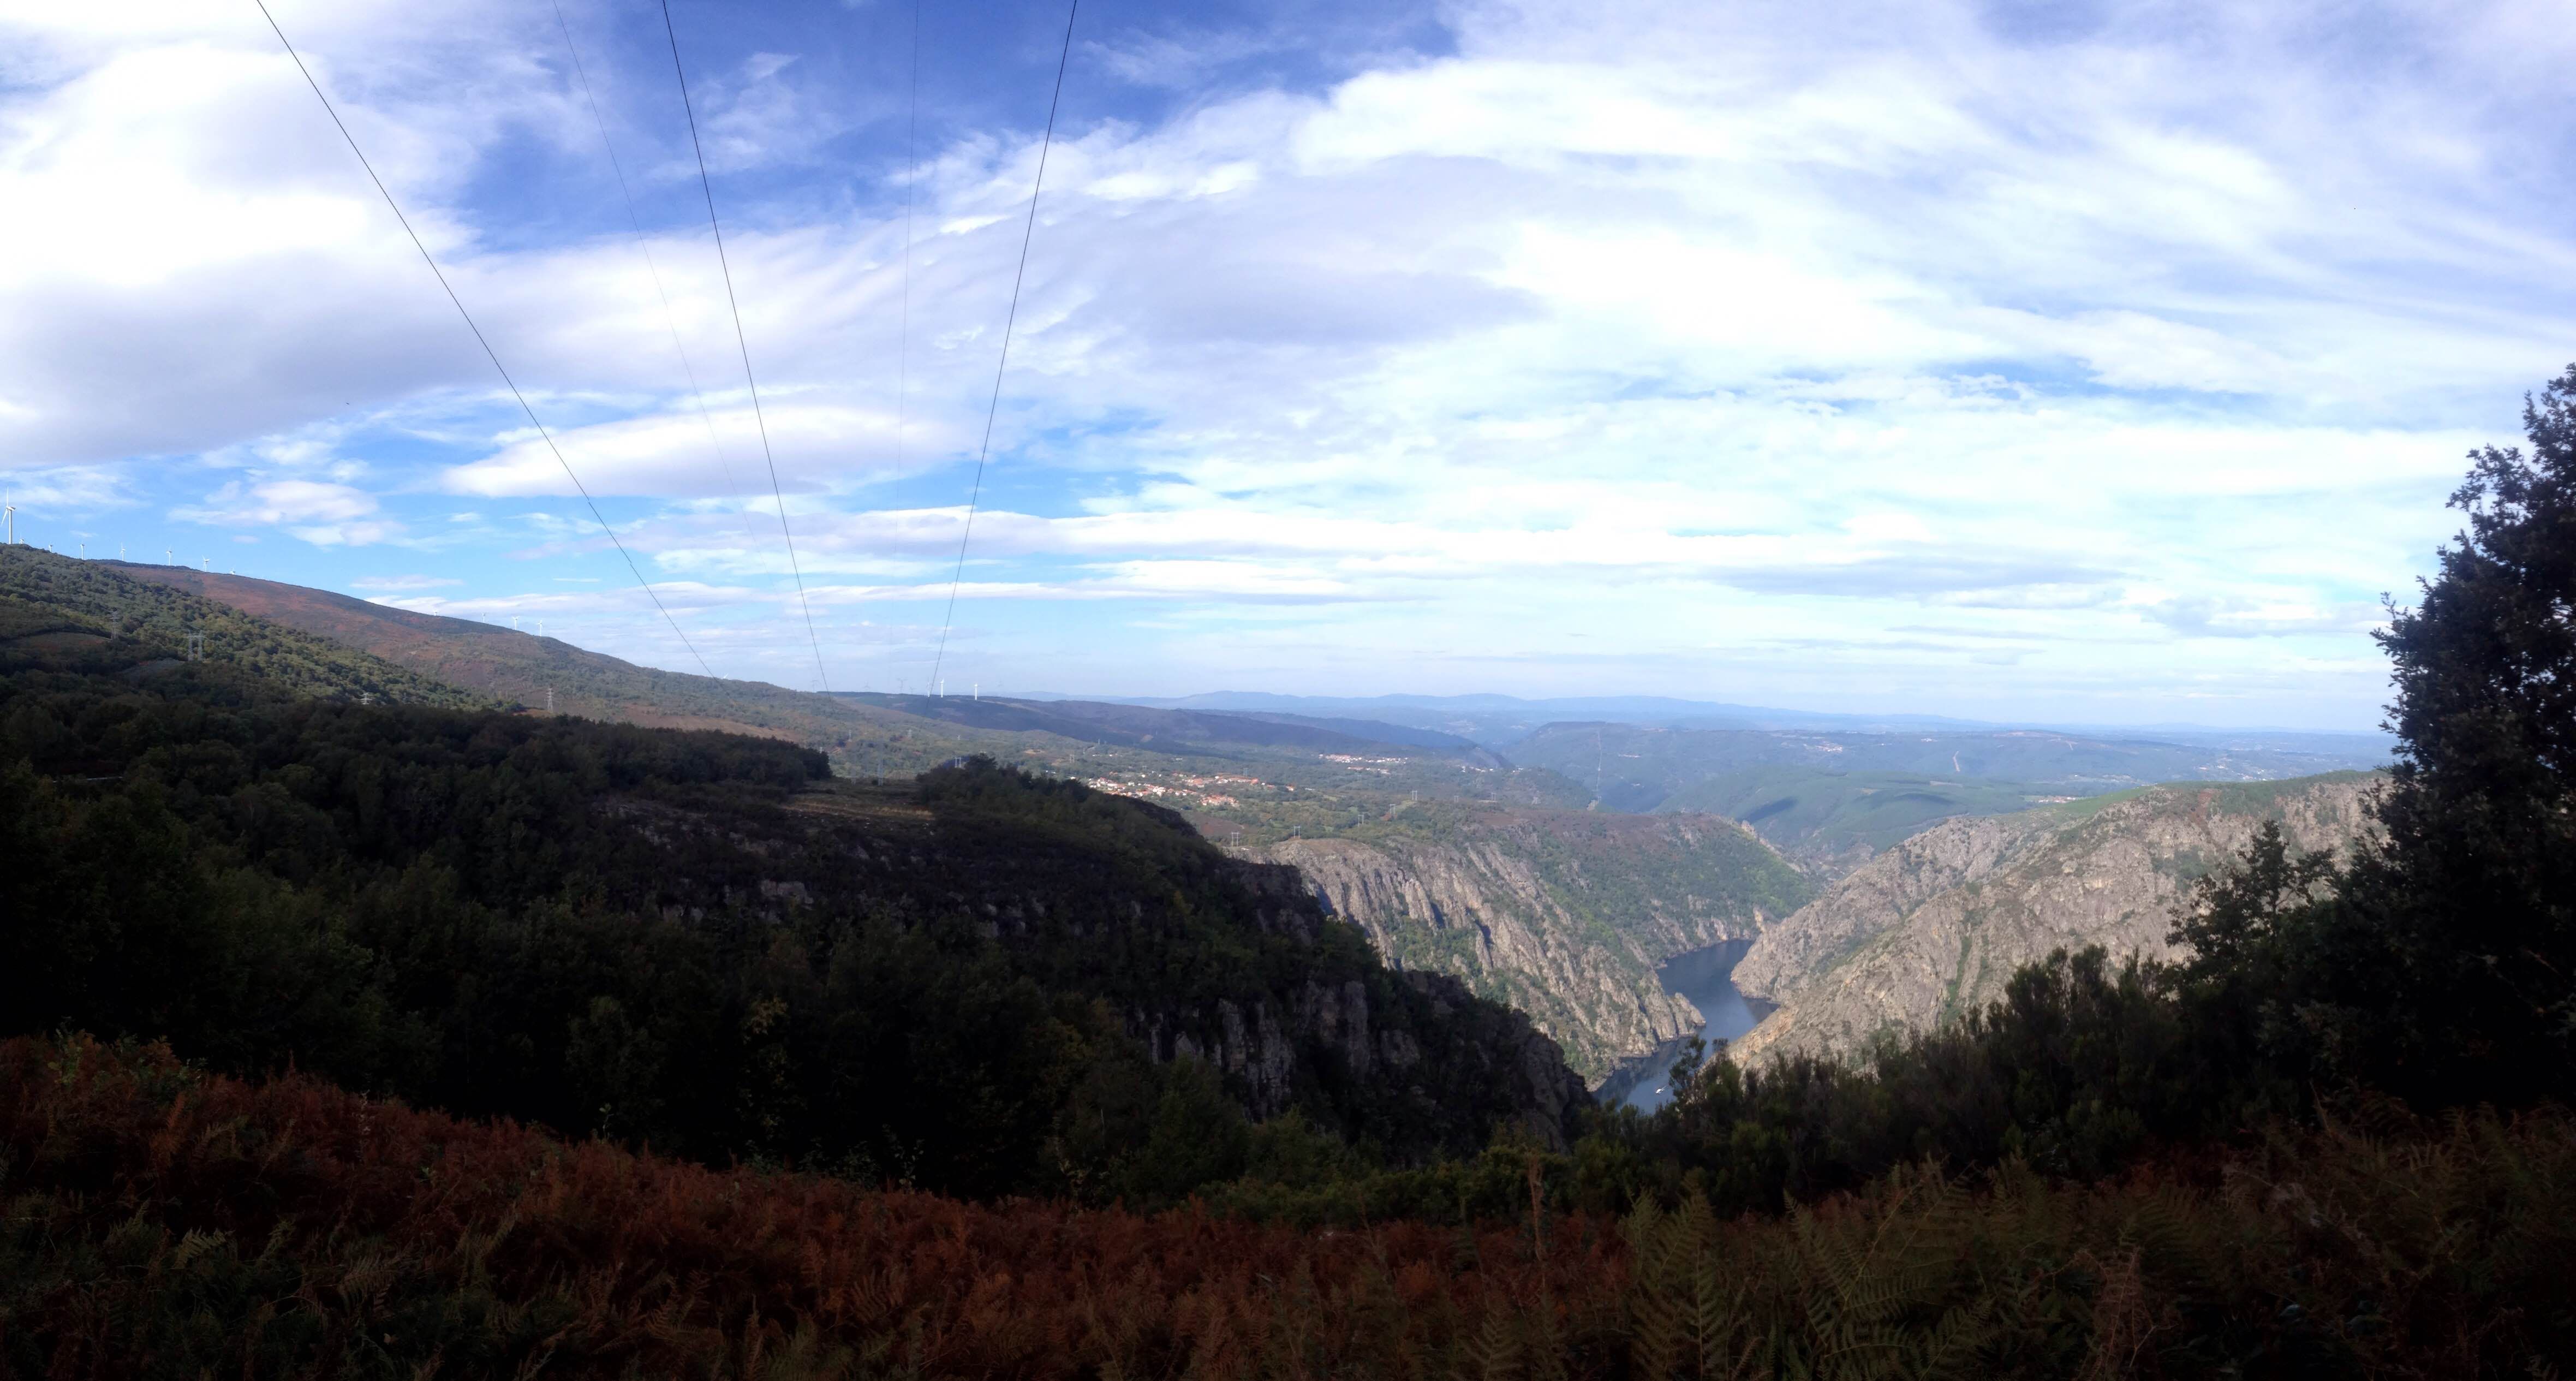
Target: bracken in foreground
(162,1222)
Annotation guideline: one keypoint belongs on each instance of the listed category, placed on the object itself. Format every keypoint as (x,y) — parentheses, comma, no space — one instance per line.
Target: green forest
(408,1039)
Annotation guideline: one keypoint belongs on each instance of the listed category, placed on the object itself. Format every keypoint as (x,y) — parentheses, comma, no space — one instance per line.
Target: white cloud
(323,513)
(1680,327)
(685,455)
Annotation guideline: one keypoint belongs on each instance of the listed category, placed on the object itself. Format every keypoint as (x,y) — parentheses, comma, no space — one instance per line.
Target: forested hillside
(983,982)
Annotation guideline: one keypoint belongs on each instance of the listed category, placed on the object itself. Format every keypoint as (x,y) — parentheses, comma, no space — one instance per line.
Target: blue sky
(2035,361)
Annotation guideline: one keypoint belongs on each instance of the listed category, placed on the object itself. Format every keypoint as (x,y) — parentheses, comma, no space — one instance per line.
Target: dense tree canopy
(980,981)
(2440,961)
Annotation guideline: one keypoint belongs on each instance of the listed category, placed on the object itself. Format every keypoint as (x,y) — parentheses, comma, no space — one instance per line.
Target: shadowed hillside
(982,980)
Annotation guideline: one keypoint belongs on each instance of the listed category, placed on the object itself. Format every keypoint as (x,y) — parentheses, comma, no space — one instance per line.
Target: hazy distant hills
(1171,730)
(1498,721)
(1835,799)
(1639,768)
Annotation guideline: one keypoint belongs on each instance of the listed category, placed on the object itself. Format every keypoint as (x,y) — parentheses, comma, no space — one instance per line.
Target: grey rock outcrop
(1935,926)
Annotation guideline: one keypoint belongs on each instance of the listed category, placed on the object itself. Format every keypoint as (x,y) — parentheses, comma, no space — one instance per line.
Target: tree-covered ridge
(878,735)
(986,981)
(48,602)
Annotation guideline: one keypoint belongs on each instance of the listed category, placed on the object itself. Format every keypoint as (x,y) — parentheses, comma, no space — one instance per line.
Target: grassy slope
(869,734)
(513,666)
(93,608)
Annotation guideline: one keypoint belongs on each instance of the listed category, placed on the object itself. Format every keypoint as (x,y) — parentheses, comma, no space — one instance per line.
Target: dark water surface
(1707,978)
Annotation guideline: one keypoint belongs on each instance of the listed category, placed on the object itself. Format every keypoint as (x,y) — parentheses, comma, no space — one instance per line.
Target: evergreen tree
(2441,963)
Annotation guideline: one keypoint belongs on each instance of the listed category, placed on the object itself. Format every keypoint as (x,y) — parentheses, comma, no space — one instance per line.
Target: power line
(643,246)
(911,193)
(744,343)
(993,409)
(488,352)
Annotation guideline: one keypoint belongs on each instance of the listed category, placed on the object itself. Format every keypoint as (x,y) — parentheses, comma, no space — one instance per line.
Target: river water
(1707,978)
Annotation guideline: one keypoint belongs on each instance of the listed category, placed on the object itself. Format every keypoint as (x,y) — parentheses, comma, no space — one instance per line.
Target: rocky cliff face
(1252,1045)
(1563,915)
(1935,926)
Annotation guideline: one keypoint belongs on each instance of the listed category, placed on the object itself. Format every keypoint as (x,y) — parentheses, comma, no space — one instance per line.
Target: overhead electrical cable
(742,341)
(643,246)
(479,339)
(911,193)
(994,409)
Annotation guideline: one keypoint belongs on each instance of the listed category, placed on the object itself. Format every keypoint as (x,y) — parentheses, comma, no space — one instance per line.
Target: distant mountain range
(1138,726)
(1836,799)
(1498,721)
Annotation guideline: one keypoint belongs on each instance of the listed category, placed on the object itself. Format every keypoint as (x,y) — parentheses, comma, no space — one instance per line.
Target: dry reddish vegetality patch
(164,1222)
(416,1237)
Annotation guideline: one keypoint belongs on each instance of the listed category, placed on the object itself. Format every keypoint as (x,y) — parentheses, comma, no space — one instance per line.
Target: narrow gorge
(1563,914)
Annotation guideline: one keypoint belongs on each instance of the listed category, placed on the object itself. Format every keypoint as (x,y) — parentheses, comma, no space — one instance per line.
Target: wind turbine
(13,525)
